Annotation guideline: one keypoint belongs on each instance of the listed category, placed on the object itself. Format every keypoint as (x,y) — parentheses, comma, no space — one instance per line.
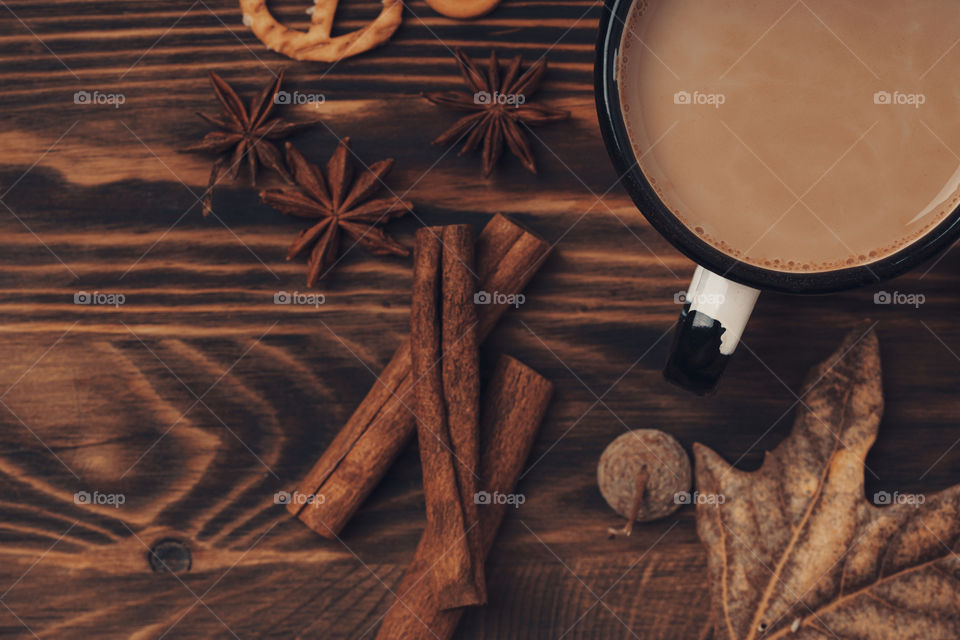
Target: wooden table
(199,398)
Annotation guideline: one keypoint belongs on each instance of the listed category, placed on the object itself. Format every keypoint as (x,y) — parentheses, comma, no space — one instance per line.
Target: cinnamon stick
(443,339)
(513,406)
(507,256)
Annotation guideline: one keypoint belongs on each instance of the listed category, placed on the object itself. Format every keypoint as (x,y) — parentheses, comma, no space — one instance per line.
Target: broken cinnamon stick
(507,257)
(446,368)
(513,405)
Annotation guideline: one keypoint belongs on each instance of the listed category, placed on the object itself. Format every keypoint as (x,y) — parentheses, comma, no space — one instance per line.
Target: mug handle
(714,315)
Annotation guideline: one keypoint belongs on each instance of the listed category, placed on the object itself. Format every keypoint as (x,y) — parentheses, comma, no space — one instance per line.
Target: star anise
(500,108)
(339,203)
(244,133)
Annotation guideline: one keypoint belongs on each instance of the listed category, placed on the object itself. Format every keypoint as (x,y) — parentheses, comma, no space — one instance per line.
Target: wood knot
(169,556)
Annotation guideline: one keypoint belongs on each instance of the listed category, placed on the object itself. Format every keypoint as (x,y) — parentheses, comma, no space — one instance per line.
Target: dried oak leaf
(337,202)
(795,550)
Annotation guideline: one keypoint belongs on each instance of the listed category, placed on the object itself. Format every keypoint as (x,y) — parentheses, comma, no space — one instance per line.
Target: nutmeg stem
(638,492)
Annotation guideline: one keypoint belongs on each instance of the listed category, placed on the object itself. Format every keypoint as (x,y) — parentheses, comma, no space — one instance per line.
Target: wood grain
(246,393)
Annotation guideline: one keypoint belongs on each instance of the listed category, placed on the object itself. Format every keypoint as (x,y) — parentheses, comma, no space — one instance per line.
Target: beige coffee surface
(798,135)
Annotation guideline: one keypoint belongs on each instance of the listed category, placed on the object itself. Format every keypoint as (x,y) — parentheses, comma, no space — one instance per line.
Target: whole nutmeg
(640,473)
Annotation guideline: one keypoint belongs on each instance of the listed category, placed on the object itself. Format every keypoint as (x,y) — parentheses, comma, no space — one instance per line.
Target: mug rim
(617,141)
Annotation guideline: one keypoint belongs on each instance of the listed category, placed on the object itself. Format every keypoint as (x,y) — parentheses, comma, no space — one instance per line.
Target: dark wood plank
(101,199)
